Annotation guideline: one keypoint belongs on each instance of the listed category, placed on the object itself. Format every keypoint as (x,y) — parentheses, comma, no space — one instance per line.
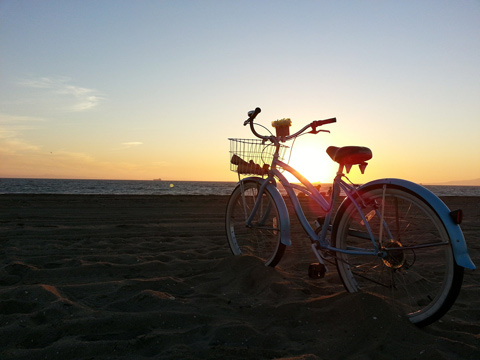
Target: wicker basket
(252,156)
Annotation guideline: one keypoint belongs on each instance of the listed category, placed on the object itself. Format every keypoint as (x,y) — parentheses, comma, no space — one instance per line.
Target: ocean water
(139,187)
(114,187)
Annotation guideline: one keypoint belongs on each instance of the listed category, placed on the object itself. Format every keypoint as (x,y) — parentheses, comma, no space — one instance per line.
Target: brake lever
(315,131)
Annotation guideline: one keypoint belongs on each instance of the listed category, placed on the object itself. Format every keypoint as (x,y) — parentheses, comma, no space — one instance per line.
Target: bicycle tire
(421,283)
(262,239)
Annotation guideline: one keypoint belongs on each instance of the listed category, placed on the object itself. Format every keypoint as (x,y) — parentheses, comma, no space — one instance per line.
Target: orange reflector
(457,216)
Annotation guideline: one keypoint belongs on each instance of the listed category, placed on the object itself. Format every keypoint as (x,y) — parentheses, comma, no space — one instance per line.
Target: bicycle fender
(285,237)
(459,246)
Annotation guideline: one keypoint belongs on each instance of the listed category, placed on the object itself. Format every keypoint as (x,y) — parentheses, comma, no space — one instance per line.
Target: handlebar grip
(255,112)
(324,122)
(252,114)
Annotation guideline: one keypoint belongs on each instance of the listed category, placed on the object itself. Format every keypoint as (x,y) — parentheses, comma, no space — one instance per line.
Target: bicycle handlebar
(314,124)
(252,114)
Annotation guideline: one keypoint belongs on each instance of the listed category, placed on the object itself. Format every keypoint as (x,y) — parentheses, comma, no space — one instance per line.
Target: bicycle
(389,237)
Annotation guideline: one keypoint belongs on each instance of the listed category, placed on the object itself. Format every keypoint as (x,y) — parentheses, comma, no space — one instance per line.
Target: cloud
(70,157)
(11,145)
(44,82)
(86,98)
(59,88)
(132,144)
(11,128)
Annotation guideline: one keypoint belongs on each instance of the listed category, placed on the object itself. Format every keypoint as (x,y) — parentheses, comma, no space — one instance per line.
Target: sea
(155,187)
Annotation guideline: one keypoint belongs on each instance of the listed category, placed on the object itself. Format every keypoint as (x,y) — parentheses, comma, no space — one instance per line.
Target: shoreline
(124,187)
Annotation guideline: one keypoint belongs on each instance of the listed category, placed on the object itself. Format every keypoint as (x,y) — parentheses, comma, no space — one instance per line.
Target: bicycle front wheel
(262,237)
(415,270)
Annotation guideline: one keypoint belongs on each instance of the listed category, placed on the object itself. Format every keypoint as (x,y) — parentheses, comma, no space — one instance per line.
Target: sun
(312,162)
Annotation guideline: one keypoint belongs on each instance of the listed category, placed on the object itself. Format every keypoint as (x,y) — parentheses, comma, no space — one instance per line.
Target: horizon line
(472,182)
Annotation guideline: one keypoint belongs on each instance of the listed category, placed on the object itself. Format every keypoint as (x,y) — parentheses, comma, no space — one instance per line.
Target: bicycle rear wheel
(262,238)
(417,272)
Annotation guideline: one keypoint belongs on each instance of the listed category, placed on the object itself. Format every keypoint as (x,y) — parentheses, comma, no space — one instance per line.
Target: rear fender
(285,237)
(459,246)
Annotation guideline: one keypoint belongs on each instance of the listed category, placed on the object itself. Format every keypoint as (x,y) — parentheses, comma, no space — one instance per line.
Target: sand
(152,277)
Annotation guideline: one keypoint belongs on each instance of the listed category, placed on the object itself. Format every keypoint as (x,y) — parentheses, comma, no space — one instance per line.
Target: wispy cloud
(11,129)
(127,145)
(132,143)
(44,82)
(8,119)
(10,144)
(79,98)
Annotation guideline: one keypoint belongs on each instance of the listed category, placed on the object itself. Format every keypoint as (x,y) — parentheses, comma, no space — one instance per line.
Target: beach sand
(152,277)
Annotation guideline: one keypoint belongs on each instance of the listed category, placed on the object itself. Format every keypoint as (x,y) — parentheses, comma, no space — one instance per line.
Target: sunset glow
(143,90)
(312,162)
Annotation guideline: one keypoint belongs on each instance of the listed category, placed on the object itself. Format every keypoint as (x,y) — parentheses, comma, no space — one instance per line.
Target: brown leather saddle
(350,155)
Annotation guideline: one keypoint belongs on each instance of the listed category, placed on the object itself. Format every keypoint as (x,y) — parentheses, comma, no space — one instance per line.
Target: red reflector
(457,216)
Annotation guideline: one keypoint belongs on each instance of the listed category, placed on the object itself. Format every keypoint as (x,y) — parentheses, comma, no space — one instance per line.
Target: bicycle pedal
(316,271)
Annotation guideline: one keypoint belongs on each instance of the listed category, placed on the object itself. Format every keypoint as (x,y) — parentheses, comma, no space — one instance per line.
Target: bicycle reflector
(457,216)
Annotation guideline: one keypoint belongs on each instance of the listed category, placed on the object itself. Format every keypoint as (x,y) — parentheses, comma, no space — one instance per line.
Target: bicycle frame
(308,189)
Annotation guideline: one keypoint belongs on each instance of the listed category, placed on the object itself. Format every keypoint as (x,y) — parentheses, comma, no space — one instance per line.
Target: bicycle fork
(258,203)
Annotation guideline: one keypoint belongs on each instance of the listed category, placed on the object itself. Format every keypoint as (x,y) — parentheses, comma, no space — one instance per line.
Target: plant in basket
(282,126)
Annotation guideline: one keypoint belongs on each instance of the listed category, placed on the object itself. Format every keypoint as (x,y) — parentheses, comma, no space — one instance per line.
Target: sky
(115,89)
